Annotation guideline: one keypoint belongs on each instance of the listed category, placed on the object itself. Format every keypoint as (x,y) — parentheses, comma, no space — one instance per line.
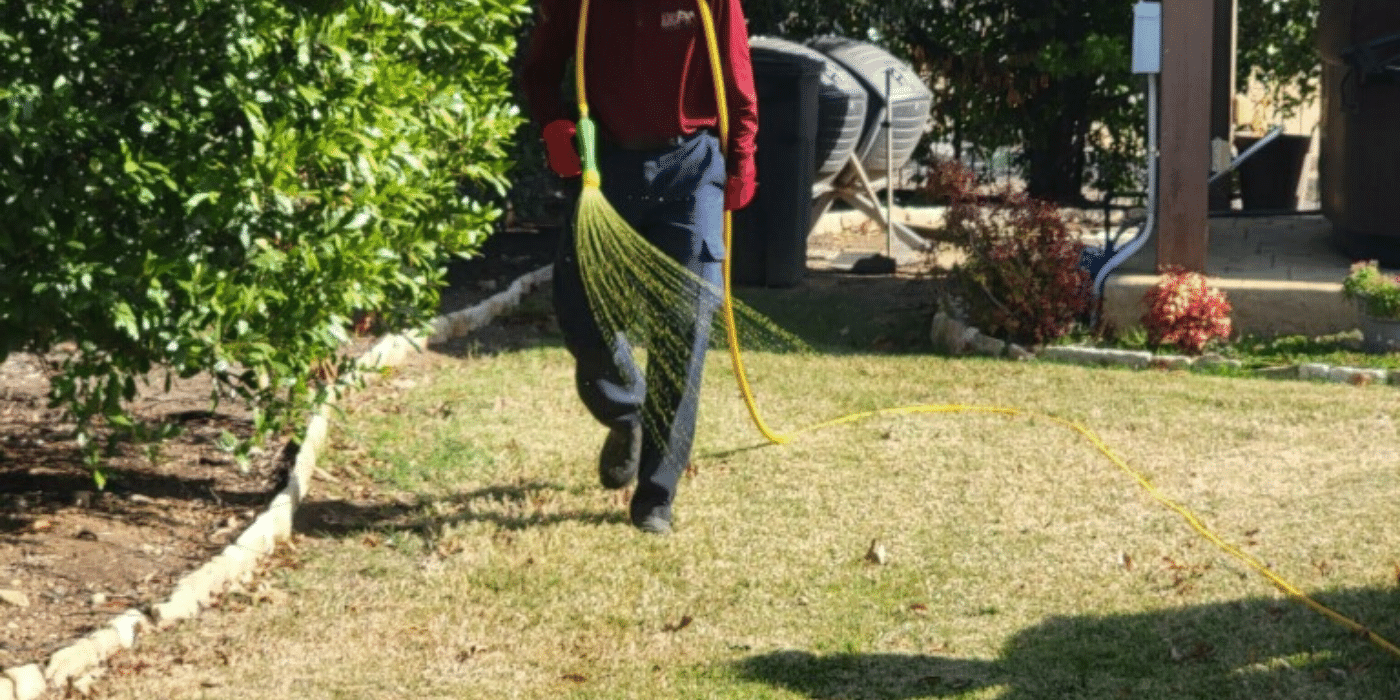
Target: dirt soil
(72,556)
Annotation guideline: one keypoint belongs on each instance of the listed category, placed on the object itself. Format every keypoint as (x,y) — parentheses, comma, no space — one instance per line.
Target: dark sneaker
(654,525)
(655,520)
(621,454)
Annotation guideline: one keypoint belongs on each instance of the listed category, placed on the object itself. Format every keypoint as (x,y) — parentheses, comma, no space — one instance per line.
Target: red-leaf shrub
(1022,281)
(1183,311)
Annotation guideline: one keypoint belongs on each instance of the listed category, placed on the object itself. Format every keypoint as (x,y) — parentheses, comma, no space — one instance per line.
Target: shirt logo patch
(678,19)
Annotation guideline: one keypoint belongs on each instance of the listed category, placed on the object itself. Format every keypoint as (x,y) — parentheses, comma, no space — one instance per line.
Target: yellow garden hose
(592,205)
(730,328)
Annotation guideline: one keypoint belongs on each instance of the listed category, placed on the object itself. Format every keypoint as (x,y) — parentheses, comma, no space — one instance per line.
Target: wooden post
(1222,92)
(1185,133)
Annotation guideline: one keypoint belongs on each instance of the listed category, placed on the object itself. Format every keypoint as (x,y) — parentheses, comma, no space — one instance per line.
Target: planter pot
(1380,335)
(1269,179)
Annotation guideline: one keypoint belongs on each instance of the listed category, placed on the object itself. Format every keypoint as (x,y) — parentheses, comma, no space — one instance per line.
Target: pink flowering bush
(1022,281)
(1183,311)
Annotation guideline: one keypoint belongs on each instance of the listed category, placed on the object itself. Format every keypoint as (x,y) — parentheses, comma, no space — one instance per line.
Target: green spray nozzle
(588,151)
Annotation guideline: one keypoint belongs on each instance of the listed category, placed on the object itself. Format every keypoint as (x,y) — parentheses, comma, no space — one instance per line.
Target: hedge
(218,186)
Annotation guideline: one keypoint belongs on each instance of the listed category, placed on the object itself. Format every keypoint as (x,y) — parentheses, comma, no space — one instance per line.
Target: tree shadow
(838,312)
(41,479)
(1248,649)
(829,311)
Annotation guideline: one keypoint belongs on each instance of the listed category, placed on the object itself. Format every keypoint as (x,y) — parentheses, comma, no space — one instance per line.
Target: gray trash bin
(769,246)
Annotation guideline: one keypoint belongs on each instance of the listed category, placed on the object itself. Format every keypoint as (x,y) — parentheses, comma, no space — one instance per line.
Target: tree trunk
(1054,148)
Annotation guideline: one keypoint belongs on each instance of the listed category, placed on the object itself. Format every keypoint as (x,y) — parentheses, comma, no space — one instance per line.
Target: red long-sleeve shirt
(648,70)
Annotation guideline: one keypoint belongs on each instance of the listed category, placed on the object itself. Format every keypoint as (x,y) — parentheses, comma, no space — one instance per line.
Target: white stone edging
(77,665)
(954,337)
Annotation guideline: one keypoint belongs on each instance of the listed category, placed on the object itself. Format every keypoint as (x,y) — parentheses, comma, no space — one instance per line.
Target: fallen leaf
(273,596)
(470,652)
(1200,651)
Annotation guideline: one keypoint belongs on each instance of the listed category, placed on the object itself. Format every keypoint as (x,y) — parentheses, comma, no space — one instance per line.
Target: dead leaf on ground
(1200,651)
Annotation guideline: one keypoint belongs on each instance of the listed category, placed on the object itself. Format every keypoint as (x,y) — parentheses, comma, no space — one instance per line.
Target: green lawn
(477,558)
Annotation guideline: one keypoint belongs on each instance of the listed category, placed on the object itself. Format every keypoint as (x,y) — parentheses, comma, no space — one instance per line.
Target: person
(651,92)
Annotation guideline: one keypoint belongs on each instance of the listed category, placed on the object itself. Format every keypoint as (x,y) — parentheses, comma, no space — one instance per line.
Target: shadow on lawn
(1247,649)
(510,507)
(831,312)
(838,312)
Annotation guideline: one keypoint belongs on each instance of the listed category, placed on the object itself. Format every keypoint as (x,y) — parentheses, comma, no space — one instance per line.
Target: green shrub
(219,185)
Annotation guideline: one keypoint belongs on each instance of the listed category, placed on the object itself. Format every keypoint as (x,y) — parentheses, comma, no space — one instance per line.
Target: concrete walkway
(1282,275)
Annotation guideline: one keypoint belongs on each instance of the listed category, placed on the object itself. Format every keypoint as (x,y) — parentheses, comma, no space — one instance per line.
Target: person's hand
(559,145)
(739,188)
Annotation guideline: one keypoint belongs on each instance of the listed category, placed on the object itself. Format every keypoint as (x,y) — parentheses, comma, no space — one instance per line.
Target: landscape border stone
(950,335)
(78,663)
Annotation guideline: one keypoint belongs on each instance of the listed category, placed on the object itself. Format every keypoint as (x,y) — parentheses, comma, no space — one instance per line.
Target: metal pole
(1153,163)
(889,163)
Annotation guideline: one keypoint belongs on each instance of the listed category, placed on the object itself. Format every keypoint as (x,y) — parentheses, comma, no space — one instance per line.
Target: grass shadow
(530,325)
(832,312)
(521,506)
(507,506)
(839,312)
(1250,648)
(857,675)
